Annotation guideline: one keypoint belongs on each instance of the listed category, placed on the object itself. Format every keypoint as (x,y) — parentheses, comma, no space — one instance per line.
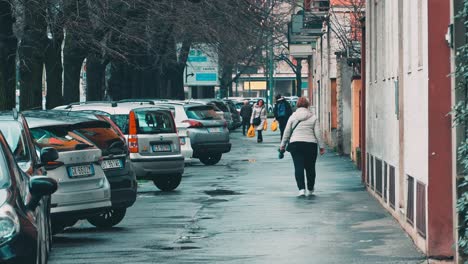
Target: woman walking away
(258,118)
(302,136)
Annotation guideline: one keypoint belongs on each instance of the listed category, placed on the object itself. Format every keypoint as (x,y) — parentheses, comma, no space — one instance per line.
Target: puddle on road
(155,247)
(221,192)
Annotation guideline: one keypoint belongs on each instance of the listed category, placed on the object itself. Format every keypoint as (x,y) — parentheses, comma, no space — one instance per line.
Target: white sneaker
(301,192)
(310,192)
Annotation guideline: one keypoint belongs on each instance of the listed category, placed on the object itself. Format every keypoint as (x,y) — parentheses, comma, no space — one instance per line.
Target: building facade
(408,130)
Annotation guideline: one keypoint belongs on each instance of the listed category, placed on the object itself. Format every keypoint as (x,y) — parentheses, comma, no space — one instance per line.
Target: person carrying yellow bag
(258,118)
(274,126)
(251,132)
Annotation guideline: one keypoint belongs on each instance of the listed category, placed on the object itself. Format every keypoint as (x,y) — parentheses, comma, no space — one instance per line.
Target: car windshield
(15,138)
(121,121)
(153,122)
(202,113)
(62,138)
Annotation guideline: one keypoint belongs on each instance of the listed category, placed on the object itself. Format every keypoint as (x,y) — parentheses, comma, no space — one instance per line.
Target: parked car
(152,140)
(208,132)
(236,118)
(226,113)
(83,190)
(115,162)
(23,214)
(176,108)
(15,129)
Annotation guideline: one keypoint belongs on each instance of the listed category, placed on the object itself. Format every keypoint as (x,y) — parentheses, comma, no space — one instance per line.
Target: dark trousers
(245,125)
(282,121)
(259,136)
(304,155)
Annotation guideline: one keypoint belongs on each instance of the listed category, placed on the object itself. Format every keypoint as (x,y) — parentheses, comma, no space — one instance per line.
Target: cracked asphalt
(245,210)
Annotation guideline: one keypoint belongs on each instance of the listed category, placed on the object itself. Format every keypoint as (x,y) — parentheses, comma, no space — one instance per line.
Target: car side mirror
(48,155)
(40,186)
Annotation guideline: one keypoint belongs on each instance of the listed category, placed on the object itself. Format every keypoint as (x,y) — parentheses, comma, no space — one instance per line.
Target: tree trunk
(95,75)
(31,53)
(53,64)
(73,58)
(226,82)
(8,44)
(31,68)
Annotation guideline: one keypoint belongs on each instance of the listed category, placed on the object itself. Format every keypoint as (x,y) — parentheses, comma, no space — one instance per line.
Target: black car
(18,137)
(23,214)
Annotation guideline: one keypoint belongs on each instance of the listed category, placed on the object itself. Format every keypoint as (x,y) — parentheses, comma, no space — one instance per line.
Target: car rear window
(62,138)
(105,138)
(16,140)
(202,113)
(221,106)
(154,122)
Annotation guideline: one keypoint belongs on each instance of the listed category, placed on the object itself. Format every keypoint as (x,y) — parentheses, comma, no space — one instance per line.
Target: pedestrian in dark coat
(245,113)
(282,112)
(303,137)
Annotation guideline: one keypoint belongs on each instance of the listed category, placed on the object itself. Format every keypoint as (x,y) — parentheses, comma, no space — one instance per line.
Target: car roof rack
(149,101)
(113,103)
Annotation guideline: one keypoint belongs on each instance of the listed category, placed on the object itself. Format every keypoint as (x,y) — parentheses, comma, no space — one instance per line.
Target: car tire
(210,159)
(168,183)
(109,218)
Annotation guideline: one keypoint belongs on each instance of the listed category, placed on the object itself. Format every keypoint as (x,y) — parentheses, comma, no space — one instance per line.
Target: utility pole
(298,77)
(271,62)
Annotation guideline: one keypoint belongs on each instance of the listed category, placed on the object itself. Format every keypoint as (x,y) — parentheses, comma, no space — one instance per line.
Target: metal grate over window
(385,181)
(421,208)
(410,201)
(378,176)
(391,190)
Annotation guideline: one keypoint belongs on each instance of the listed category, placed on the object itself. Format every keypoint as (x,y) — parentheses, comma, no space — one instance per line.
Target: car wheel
(210,159)
(109,218)
(168,183)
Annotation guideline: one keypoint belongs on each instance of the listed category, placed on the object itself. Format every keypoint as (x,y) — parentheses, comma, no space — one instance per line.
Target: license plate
(111,164)
(214,129)
(80,171)
(162,148)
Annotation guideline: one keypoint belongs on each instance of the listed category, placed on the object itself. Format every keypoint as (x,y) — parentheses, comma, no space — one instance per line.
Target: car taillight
(132,133)
(52,165)
(193,123)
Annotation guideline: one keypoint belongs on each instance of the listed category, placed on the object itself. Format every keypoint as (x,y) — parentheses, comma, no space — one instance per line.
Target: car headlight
(9,223)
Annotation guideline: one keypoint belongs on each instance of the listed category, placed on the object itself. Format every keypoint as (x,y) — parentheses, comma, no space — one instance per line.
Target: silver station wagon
(152,139)
(83,189)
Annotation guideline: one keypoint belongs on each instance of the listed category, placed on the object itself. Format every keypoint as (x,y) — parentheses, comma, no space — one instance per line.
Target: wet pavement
(245,210)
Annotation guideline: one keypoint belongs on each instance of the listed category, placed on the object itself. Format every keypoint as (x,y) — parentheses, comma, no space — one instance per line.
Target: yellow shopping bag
(274,126)
(265,125)
(251,132)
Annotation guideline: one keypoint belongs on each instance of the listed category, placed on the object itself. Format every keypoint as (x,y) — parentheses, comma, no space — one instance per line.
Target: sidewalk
(267,223)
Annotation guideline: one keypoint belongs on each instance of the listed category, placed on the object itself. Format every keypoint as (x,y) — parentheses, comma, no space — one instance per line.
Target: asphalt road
(245,210)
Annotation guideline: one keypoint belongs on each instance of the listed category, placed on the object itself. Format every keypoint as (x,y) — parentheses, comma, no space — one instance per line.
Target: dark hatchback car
(115,162)
(23,223)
